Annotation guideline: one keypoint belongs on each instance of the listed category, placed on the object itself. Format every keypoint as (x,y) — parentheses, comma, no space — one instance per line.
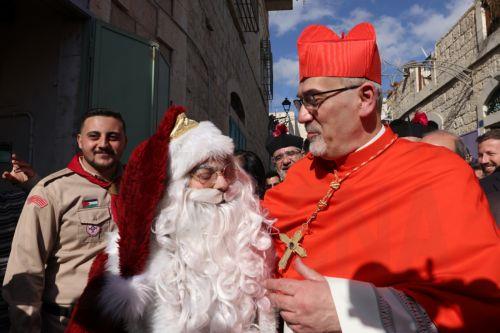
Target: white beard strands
(208,261)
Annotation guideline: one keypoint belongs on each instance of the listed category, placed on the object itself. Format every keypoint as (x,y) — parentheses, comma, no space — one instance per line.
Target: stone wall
(462,62)
(210,57)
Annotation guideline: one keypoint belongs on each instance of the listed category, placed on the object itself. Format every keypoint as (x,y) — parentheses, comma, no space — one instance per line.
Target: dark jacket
(491,187)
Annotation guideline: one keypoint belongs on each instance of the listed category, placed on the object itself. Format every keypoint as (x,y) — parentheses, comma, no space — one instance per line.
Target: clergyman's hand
(305,305)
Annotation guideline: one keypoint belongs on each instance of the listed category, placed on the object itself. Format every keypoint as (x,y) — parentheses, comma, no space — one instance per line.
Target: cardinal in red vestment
(392,235)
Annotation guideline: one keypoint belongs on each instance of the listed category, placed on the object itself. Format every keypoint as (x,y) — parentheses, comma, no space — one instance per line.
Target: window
(240,141)
(237,106)
(422,77)
(248,14)
(493,106)
(491,15)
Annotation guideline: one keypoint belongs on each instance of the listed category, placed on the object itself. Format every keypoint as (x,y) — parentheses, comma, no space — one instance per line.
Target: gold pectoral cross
(292,246)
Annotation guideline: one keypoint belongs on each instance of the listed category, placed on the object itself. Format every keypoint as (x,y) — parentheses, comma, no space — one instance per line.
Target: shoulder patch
(56,175)
(37,201)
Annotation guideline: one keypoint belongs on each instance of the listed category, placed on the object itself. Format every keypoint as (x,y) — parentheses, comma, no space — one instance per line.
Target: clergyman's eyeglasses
(311,103)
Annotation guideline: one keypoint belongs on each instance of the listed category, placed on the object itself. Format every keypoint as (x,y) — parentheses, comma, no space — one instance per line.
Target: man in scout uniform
(62,227)
(393,235)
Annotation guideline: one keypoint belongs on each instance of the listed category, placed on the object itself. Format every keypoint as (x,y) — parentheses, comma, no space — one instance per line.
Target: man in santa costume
(192,246)
(393,235)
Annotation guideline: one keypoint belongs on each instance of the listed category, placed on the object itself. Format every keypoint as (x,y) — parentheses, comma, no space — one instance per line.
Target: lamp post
(286,105)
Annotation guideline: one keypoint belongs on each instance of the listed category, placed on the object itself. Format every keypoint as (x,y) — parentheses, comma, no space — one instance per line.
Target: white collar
(372,140)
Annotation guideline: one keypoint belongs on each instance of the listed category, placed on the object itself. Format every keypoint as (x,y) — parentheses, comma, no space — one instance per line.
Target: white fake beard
(214,255)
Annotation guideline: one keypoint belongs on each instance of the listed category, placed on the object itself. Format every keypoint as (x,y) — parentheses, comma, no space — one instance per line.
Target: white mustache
(312,128)
(206,195)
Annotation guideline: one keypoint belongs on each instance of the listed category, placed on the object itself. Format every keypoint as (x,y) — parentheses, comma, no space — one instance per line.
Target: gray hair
(357,81)
(460,147)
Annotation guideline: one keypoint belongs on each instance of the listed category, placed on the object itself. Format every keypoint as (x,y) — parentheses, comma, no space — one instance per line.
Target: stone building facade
(138,57)
(458,85)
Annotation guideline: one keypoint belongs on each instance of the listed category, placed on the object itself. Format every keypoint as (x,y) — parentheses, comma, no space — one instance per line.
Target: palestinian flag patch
(90,203)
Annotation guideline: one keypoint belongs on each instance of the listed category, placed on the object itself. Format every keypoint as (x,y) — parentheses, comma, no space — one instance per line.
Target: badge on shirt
(90,203)
(93,230)
(37,201)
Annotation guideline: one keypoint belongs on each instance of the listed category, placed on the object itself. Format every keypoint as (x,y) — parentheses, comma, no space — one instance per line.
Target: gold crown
(182,125)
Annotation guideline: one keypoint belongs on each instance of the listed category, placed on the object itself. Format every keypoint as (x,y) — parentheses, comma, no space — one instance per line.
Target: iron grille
(248,13)
(266,57)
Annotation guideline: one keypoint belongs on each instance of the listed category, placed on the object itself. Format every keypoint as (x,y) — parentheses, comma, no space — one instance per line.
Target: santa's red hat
(323,53)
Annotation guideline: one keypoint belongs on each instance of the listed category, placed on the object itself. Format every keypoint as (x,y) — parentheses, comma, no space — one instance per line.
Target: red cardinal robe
(414,218)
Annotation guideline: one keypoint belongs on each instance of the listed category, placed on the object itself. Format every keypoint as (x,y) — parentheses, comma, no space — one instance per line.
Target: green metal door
(125,78)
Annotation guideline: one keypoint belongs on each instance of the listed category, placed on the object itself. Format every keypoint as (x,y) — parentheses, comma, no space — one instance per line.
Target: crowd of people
(363,228)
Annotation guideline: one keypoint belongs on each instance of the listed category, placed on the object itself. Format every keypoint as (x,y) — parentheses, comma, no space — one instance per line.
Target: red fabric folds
(323,53)
(142,187)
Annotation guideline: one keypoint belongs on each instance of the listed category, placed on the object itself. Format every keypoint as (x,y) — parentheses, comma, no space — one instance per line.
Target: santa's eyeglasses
(207,174)
(311,103)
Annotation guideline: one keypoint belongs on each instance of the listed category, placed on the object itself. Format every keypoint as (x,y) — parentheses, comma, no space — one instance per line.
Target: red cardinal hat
(323,53)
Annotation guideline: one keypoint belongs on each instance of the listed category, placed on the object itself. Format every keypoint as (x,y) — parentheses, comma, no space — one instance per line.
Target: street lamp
(286,105)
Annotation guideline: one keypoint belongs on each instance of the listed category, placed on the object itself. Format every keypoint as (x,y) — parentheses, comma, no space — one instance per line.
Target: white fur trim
(125,298)
(196,146)
(268,320)
(122,298)
(113,263)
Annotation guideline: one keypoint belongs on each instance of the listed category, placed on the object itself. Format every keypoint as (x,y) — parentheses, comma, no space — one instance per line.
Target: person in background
(62,228)
(448,140)
(488,149)
(14,187)
(285,149)
(251,163)
(407,130)
(272,179)
(22,174)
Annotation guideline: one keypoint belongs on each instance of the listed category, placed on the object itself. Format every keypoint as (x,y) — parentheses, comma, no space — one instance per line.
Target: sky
(406,31)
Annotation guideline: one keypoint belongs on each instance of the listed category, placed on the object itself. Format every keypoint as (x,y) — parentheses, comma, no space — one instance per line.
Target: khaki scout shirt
(61,229)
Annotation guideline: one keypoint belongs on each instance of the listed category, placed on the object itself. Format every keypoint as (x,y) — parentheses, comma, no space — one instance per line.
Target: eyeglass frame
(289,153)
(212,180)
(298,103)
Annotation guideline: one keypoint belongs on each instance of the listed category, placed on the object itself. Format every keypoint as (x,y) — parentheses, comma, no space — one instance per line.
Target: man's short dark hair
(491,134)
(102,112)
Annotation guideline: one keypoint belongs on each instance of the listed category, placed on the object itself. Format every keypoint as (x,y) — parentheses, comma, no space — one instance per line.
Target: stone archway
(490,86)
(437,118)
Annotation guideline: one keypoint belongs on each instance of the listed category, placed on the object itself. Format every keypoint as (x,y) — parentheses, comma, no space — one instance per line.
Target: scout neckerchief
(293,244)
